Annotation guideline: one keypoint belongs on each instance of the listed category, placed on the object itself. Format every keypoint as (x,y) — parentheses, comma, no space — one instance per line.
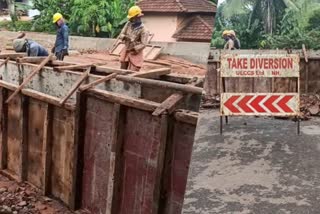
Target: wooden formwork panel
(63,155)
(143,150)
(97,168)
(15,135)
(35,170)
(178,160)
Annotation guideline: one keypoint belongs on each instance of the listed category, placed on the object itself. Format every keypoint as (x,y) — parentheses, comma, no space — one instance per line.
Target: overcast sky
(220,1)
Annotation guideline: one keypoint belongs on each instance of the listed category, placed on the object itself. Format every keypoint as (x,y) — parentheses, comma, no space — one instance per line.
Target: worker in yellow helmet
(235,39)
(135,37)
(61,46)
(229,45)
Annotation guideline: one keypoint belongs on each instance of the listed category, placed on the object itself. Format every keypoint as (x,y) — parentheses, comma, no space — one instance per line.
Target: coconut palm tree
(266,11)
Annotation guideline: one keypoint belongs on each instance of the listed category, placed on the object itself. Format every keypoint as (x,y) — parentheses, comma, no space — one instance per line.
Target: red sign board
(259,104)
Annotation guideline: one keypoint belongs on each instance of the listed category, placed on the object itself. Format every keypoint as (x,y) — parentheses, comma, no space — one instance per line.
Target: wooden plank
(187,117)
(71,67)
(97,82)
(75,87)
(24,141)
(38,95)
(46,149)
(4,62)
(12,55)
(78,146)
(105,69)
(28,79)
(169,104)
(161,84)
(4,129)
(113,156)
(36,60)
(124,100)
(152,73)
(164,128)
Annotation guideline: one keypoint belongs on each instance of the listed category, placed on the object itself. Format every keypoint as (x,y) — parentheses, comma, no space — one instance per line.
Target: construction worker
(61,46)
(135,37)
(235,39)
(32,48)
(229,45)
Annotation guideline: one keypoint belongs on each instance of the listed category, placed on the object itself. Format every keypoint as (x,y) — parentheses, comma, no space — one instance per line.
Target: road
(258,165)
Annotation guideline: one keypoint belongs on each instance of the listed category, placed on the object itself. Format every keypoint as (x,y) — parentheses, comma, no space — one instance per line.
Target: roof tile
(183,6)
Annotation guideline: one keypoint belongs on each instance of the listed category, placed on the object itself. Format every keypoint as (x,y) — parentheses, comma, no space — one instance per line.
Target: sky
(220,1)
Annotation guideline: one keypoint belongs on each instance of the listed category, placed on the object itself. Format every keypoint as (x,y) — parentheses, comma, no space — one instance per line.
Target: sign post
(259,104)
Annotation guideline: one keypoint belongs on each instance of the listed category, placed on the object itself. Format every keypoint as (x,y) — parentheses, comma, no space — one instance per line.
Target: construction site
(95,137)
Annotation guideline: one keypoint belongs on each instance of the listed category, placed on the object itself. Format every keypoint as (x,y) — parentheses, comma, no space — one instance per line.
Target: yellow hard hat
(231,32)
(57,17)
(134,11)
(226,32)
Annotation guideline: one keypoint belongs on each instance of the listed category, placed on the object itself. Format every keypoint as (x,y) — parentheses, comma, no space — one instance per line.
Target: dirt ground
(179,66)
(16,198)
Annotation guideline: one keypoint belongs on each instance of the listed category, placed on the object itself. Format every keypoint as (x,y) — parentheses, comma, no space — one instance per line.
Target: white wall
(163,26)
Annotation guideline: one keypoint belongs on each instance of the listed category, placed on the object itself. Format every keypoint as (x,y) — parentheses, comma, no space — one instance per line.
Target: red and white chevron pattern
(260,104)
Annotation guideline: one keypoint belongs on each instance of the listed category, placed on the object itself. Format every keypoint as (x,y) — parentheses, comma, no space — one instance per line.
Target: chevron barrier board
(260,104)
(260,65)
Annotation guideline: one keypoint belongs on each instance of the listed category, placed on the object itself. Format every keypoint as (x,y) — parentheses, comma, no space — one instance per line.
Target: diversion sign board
(259,66)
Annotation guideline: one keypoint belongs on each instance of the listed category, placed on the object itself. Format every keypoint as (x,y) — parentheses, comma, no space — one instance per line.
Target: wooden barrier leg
(221,124)
(298,125)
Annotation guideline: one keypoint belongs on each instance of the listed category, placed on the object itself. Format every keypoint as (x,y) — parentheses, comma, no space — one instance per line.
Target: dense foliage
(270,23)
(85,17)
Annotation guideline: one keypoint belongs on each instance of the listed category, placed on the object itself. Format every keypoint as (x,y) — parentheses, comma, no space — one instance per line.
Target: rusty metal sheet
(177,167)
(97,151)
(260,65)
(141,148)
(37,112)
(62,154)
(268,104)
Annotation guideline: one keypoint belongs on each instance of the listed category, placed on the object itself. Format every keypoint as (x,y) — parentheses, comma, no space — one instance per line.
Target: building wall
(163,26)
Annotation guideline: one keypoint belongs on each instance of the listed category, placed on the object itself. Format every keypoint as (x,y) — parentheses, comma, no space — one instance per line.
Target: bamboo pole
(161,84)
(4,62)
(76,86)
(28,79)
(97,82)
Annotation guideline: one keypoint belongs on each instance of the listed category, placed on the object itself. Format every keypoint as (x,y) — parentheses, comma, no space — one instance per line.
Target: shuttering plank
(62,155)
(98,154)
(141,154)
(36,128)
(178,158)
(47,148)
(24,141)
(4,129)
(15,135)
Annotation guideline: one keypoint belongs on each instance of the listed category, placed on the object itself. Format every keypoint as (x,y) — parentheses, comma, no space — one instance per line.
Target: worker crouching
(135,37)
(31,48)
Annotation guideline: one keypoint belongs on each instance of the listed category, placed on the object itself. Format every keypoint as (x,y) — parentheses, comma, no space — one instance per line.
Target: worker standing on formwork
(61,46)
(32,48)
(229,42)
(235,39)
(135,37)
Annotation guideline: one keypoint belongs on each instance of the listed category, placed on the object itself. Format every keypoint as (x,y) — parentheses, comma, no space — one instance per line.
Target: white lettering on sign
(260,65)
